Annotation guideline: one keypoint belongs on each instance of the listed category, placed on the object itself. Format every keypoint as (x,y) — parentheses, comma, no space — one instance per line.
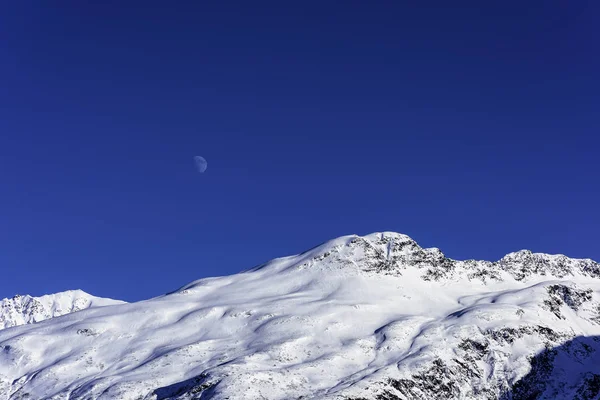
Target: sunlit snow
(353,318)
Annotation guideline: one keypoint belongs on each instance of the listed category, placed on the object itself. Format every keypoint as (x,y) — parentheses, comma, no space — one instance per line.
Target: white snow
(335,322)
(20,310)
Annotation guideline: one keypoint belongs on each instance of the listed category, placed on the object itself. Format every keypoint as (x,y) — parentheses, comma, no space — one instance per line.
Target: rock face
(20,310)
(373,317)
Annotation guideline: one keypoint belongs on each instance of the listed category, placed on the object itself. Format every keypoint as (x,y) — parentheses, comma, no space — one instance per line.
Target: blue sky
(471,127)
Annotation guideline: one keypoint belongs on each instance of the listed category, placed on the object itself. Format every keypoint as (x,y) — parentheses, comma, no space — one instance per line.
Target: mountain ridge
(402,248)
(26,309)
(358,317)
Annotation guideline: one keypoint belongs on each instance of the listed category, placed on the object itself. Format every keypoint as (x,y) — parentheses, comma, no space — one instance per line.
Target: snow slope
(20,310)
(373,317)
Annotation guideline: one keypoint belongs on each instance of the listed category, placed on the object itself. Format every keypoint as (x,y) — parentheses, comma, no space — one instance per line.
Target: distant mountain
(356,318)
(21,310)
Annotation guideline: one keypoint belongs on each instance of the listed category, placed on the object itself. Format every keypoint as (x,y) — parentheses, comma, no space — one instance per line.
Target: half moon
(201,163)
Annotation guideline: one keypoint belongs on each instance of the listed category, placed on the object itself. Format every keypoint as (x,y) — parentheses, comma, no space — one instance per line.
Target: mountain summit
(358,317)
(20,310)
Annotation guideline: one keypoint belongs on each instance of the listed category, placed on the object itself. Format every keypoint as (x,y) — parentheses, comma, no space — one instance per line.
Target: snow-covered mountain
(20,310)
(373,317)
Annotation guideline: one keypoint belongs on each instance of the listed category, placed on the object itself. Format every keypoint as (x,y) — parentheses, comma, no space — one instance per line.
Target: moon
(201,163)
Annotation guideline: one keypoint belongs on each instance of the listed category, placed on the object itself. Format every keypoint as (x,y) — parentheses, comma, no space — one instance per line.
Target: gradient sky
(470,126)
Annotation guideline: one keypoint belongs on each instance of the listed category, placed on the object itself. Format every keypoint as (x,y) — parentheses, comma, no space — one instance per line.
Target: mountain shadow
(569,371)
(193,388)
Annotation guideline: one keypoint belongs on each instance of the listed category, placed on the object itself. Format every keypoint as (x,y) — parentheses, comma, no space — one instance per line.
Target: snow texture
(20,310)
(373,317)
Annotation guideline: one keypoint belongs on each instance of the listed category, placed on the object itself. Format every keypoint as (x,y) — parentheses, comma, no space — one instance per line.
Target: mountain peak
(393,253)
(358,317)
(387,235)
(26,309)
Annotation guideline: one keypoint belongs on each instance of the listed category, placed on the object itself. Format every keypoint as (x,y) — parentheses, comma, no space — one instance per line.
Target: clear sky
(471,126)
